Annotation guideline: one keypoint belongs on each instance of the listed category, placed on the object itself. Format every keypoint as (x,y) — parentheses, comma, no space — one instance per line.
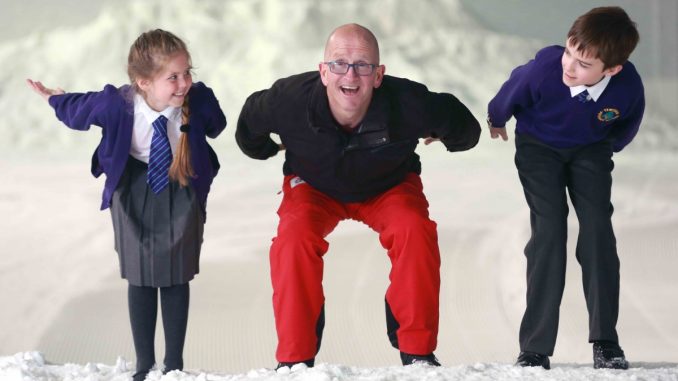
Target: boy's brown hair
(606,33)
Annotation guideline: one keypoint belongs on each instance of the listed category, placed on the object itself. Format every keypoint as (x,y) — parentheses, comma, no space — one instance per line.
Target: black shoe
(608,355)
(140,375)
(533,359)
(166,370)
(429,359)
(309,363)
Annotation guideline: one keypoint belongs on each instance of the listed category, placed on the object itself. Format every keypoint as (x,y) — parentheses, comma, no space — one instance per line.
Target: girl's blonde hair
(147,56)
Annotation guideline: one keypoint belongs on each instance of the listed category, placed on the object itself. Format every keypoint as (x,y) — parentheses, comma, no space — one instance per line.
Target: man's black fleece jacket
(375,156)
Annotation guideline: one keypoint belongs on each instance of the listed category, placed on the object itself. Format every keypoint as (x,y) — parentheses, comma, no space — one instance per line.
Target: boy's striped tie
(160,157)
(583,97)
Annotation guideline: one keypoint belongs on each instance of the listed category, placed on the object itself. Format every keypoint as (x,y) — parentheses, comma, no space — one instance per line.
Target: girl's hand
(428,141)
(43,91)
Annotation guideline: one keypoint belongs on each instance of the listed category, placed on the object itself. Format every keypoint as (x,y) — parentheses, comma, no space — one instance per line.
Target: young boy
(574,106)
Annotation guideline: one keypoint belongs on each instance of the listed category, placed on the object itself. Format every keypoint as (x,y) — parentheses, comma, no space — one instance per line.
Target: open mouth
(349,90)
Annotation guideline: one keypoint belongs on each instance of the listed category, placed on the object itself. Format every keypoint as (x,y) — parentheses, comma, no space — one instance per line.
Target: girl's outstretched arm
(43,91)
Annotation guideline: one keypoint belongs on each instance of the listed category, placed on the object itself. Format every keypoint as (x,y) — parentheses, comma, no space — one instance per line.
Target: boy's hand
(496,132)
(428,141)
(43,91)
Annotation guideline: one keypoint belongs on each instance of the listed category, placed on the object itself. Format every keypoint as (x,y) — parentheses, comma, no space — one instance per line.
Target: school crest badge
(608,114)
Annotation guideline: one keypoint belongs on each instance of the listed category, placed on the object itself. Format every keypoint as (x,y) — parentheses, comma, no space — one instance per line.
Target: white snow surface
(64,313)
(32,366)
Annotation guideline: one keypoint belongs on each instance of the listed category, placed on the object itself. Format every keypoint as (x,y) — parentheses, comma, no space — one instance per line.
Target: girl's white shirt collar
(142,132)
(140,106)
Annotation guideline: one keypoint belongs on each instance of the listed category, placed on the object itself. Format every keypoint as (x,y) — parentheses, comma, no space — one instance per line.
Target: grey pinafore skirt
(157,236)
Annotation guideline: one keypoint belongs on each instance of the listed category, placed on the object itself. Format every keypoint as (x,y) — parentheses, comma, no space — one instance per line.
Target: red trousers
(400,216)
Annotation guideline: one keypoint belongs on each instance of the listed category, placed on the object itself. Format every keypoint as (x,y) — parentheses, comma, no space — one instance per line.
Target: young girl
(159,168)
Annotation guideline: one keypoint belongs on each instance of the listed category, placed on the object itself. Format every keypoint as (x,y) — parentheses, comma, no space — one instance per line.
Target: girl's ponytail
(181,169)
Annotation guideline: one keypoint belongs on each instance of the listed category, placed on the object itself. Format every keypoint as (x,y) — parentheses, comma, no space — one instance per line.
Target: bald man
(349,134)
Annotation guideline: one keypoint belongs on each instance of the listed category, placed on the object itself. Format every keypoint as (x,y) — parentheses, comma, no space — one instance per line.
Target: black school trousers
(547,174)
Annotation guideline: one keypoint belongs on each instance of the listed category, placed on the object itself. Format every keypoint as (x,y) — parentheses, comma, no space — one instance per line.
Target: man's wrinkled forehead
(354,47)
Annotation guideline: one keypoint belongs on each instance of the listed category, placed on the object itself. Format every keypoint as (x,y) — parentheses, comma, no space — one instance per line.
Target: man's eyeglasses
(341,67)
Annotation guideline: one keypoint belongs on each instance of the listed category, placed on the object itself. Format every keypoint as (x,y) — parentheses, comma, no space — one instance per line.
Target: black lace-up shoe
(309,363)
(608,355)
(533,359)
(429,359)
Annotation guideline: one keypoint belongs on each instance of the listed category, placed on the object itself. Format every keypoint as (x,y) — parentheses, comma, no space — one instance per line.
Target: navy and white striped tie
(584,96)
(160,157)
